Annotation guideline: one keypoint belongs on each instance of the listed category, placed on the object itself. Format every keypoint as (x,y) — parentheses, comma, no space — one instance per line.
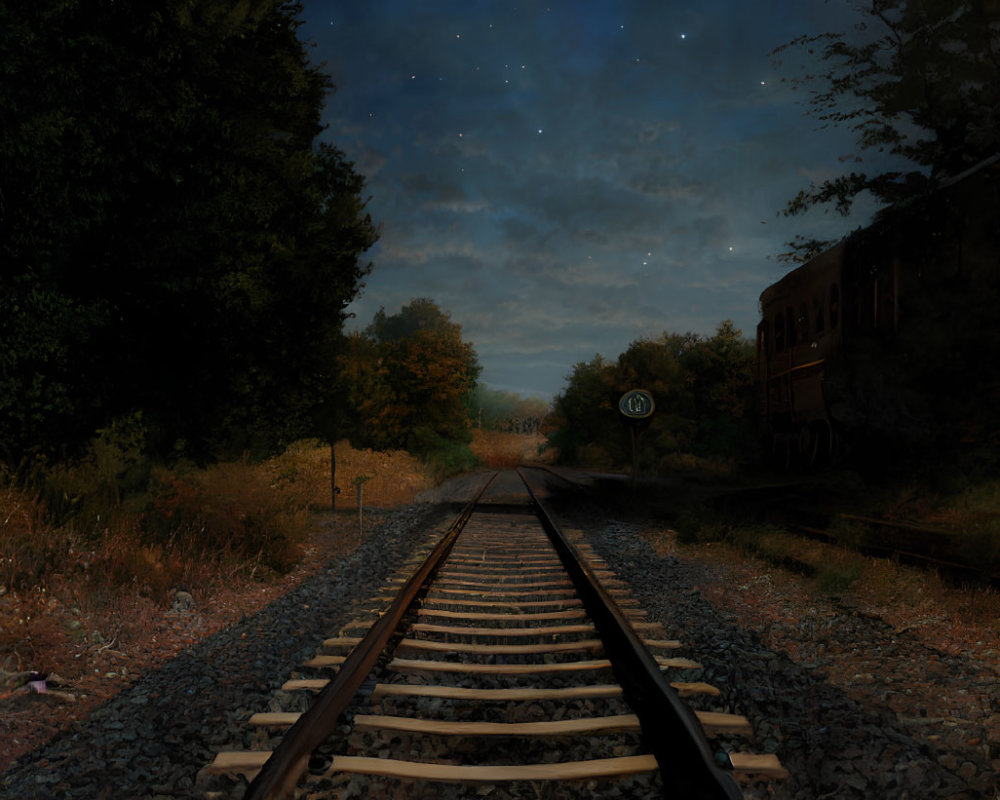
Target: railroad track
(509,656)
(962,553)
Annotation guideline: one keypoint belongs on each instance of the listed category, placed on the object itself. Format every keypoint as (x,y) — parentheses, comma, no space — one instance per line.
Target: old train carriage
(889,340)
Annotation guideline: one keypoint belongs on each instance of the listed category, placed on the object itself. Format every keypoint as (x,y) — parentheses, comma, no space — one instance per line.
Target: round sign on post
(636,404)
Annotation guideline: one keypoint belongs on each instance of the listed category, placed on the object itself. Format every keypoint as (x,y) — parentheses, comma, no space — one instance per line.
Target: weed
(700,526)
(837,578)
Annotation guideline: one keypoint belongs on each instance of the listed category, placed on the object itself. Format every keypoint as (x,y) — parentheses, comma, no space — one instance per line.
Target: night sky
(566,177)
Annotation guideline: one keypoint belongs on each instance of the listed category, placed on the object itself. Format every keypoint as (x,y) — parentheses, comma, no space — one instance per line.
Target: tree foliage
(916,78)
(409,378)
(173,244)
(702,388)
(509,412)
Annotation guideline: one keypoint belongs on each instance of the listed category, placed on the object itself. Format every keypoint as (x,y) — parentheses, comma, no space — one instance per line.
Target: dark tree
(916,78)
(410,378)
(172,243)
(702,389)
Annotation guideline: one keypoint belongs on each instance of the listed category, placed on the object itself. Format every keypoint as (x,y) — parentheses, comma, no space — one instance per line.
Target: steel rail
(280,774)
(670,727)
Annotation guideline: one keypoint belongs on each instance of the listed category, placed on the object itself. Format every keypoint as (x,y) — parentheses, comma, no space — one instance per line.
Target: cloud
(657,155)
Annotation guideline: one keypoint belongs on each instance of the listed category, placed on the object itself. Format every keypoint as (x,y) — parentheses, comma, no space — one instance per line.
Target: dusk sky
(567,177)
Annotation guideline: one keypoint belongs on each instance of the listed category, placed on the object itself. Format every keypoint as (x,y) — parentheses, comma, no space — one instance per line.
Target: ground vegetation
(702,388)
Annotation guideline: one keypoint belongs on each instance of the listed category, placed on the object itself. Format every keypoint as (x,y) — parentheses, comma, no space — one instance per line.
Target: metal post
(633,427)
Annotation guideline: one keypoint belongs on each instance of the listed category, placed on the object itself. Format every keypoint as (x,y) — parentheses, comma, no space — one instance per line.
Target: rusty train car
(889,342)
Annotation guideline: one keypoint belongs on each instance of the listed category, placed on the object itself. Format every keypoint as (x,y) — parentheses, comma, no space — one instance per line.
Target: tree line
(178,246)
(917,79)
(702,388)
(507,412)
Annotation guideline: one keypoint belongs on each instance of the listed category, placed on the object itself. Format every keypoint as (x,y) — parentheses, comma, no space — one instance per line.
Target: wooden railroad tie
(458,693)
(573,613)
(249,763)
(712,721)
(589,645)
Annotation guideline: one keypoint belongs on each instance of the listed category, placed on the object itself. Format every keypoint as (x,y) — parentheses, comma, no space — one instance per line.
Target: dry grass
(91,600)
(389,479)
(508,450)
(954,617)
(232,526)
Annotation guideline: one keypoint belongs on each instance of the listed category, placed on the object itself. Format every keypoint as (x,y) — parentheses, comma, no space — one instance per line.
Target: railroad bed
(506,655)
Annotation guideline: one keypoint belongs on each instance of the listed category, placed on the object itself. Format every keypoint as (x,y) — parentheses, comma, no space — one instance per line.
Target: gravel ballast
(150,741)
(833,746)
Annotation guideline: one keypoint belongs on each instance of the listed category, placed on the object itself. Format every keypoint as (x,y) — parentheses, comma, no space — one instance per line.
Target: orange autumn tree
(409,378)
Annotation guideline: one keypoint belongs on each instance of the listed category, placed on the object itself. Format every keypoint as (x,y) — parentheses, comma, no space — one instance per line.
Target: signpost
(636,406)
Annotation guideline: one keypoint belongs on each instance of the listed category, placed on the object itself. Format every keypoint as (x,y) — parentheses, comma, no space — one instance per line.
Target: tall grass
(110,540)
(105,544)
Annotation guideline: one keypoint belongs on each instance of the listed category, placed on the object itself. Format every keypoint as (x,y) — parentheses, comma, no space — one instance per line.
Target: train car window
(779,332)
(818,313)
(763,339)
(803,323)
(834,305)
(790,327)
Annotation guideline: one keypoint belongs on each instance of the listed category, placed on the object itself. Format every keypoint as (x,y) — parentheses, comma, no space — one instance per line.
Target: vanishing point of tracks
(509,657)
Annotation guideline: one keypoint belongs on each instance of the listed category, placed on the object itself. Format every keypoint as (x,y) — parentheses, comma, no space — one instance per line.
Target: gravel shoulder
(855,707)
(149,741)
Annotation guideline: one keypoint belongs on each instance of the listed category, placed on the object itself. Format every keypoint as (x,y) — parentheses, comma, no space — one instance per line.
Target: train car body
(889,339)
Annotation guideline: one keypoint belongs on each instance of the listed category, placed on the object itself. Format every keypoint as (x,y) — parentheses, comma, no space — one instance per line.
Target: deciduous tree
(416,375)
(916,78)
(702,388)
(494,409)
(172,242)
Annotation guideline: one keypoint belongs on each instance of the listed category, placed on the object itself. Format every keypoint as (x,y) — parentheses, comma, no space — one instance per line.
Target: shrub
(445,457)
(837,576)
(93,487)
(695,527)
(231,509)
(25,547)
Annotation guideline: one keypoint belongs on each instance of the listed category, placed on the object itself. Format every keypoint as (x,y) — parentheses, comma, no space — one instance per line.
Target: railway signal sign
(637,407)
(636,404)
